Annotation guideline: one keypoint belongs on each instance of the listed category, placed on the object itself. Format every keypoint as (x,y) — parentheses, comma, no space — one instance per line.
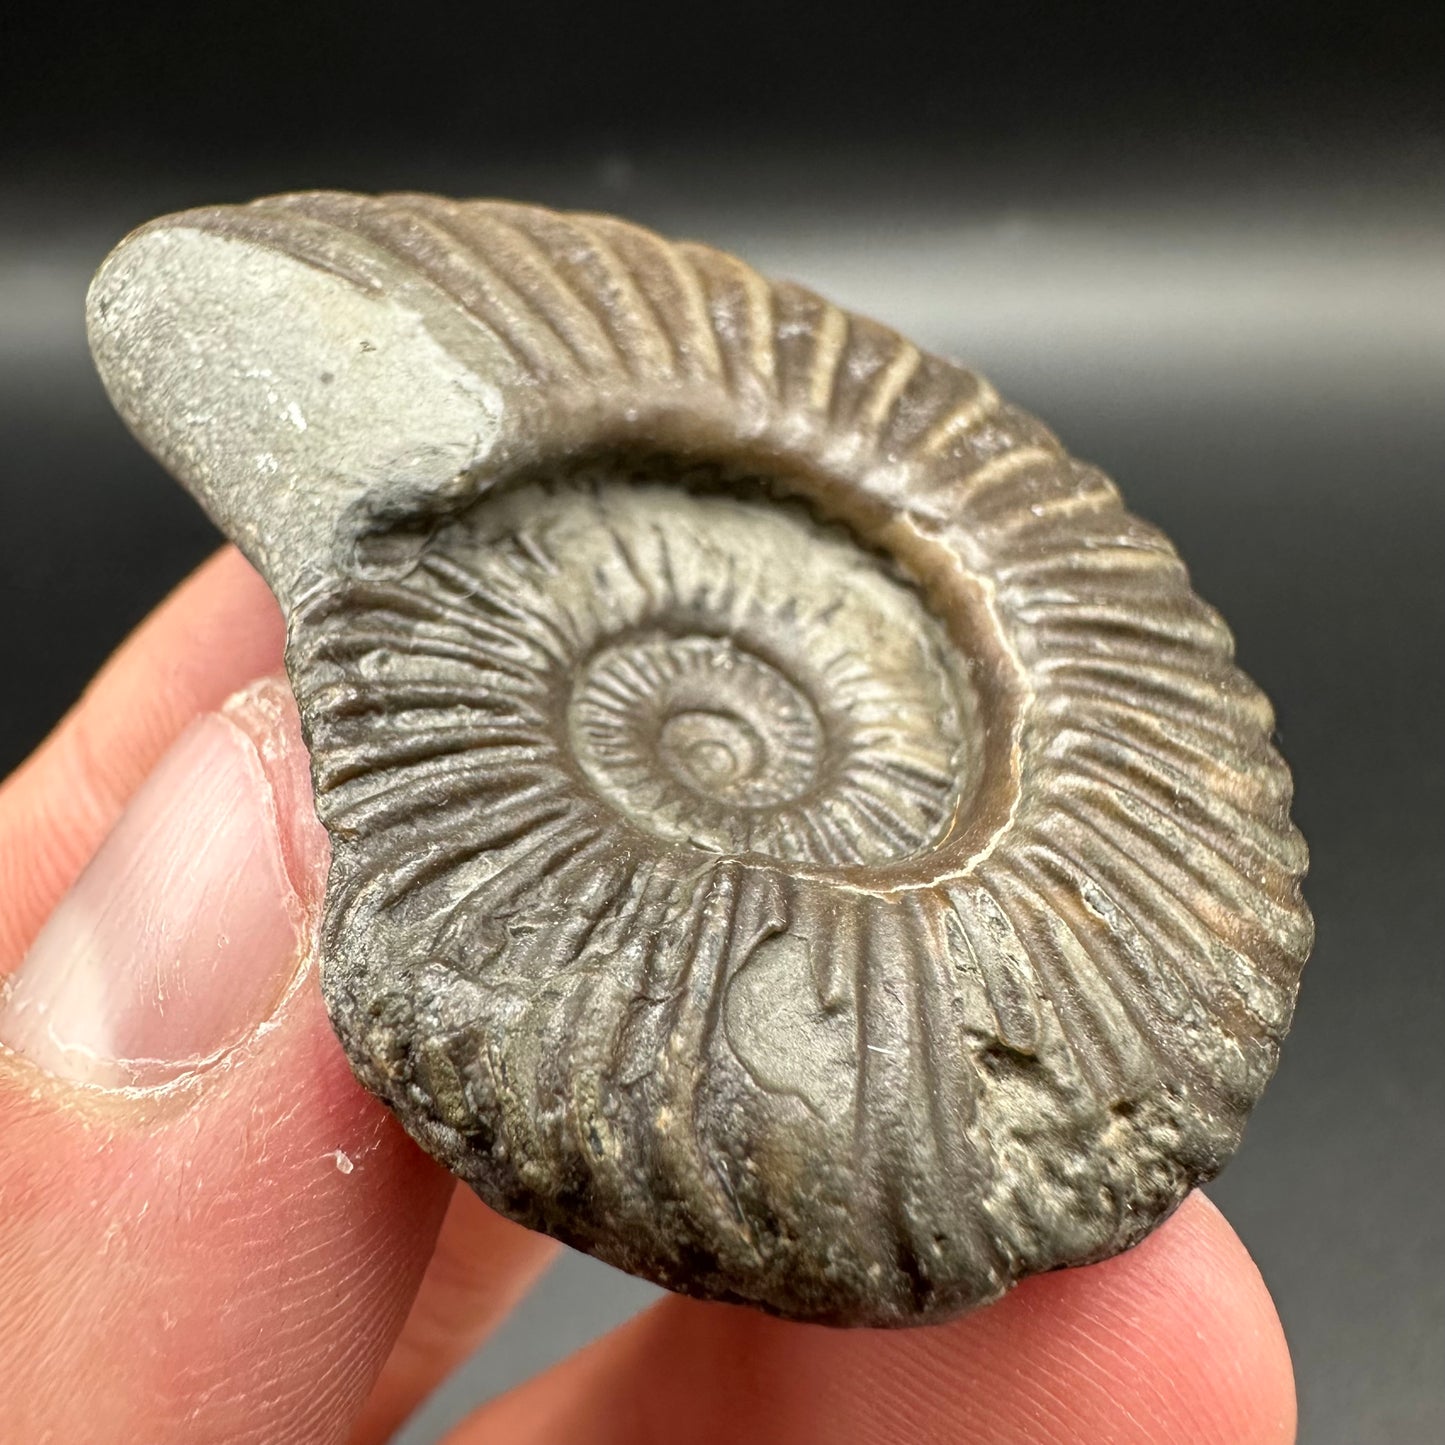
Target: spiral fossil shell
(795,835)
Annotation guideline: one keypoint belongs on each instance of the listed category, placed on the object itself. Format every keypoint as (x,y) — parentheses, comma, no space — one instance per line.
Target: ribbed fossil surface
(795,835)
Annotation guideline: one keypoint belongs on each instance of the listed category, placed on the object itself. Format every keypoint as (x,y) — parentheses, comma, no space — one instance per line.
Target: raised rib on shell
(795,835)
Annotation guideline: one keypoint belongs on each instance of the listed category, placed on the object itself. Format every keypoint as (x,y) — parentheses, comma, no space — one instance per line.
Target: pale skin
(188,1263)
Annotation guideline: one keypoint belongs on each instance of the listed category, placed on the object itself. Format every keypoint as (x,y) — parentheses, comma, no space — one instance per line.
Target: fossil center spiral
(703,715)
(713,751)
(770,688)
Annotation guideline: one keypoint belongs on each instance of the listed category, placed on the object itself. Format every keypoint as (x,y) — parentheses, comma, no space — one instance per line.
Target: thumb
(209,1232)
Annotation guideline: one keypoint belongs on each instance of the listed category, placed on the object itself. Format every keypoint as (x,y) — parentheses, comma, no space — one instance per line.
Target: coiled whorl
(795,835)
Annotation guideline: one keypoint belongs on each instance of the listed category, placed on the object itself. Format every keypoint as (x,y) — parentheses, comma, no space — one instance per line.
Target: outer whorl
(795,835)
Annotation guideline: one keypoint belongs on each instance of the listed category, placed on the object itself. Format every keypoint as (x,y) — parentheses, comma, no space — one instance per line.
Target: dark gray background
(1206,244)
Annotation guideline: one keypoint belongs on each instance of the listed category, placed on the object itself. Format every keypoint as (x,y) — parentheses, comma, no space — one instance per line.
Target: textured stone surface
(795,835)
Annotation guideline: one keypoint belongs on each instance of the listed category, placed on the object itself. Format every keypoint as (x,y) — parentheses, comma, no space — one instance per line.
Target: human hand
(209,1232)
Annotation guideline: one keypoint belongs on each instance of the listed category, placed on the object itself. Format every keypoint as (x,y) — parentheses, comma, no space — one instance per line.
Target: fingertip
(1217,1347)
(1176,1340)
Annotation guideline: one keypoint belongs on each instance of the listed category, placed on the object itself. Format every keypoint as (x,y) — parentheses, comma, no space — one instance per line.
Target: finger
(1176,1340)
(219,630)
(482,1267)
(211,1233)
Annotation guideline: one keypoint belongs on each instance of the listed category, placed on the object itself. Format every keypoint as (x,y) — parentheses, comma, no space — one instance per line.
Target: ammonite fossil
(795,835)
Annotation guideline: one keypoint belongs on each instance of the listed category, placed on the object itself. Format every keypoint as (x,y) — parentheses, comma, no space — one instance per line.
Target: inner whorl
(719,667)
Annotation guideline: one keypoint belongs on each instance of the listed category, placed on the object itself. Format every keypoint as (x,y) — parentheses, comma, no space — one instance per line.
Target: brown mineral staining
(795,835)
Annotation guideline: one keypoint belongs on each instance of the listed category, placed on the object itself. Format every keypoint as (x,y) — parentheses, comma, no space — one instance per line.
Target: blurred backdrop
(1205,243)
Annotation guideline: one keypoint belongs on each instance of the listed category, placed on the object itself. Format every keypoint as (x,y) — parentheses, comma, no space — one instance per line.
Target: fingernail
(185,930)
